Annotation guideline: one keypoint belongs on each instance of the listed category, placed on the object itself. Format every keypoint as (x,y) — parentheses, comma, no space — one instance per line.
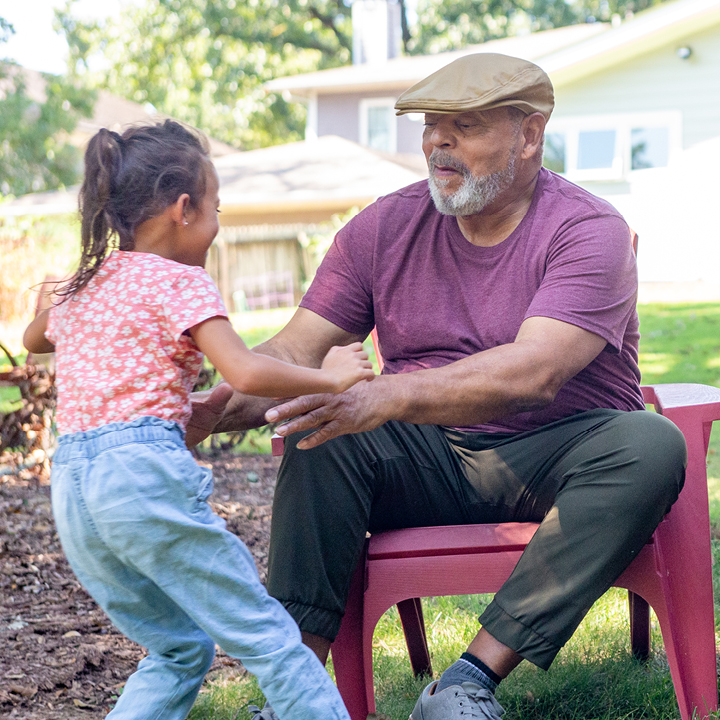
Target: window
(611,147)
(596,149)
(378,125)
(650,147)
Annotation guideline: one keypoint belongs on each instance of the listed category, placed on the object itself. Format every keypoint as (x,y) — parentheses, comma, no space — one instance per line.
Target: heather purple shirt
(436,298)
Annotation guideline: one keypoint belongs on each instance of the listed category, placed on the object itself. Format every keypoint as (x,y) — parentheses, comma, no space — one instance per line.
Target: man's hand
(207,409)
(358,409)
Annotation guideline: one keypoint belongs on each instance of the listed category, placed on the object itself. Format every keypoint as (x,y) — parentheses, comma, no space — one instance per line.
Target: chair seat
(450,540)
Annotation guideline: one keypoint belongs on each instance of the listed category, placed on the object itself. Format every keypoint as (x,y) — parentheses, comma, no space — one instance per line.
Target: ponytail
(131,178)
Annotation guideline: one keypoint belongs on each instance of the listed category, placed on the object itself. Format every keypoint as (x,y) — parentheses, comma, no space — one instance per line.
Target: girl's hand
(347,365)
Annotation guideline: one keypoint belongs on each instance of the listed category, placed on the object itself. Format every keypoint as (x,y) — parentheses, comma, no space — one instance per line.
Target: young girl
(129,330)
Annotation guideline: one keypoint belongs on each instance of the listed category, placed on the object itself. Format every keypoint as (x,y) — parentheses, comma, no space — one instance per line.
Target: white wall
(657,81)
(673,208)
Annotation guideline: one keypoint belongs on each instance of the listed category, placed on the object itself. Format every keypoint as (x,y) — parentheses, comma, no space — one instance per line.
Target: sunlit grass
(680,343)
(593,678)
(657,363)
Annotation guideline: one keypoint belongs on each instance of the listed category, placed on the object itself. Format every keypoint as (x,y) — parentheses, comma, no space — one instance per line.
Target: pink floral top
(120,344)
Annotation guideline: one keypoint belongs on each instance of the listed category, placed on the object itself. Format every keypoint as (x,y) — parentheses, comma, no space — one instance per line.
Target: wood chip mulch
(61,658)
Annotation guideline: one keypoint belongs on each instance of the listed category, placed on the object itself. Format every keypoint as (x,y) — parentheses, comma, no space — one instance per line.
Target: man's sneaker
(457,702)
(267,713)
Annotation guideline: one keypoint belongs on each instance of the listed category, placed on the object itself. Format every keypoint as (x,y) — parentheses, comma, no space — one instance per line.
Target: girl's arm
(254,374)
(34,338)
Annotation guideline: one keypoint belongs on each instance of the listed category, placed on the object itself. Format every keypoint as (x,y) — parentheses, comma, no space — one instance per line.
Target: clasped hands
(355,410)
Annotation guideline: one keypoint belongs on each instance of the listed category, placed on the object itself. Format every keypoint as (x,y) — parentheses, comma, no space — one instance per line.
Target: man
(504,298)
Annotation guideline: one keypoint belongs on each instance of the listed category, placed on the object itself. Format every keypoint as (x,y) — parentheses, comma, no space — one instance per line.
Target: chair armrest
(277,443)
(683,402)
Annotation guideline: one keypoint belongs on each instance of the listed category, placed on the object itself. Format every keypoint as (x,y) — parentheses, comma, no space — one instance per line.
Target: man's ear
(179,210)
(533,129)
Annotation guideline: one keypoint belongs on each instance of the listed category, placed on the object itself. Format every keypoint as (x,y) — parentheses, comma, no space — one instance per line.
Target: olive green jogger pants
(598,482)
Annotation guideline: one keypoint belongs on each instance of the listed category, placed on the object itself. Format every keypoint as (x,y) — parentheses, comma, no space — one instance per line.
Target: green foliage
(452,24)
(6,30)
(34,150)
(317,243)
(205,61)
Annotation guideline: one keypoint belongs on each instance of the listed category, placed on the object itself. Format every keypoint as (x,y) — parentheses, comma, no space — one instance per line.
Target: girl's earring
(185,222)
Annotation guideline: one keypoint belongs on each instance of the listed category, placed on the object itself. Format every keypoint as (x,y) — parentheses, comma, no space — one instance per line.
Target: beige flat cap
(481,82)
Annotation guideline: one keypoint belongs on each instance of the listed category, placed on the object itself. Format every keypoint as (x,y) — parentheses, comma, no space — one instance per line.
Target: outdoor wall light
(684,52)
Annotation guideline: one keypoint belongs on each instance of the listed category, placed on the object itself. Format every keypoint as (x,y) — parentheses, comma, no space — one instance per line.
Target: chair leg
(347,650)
(639,626)
(411,616)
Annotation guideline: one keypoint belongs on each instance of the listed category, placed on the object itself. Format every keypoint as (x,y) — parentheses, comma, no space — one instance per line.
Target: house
(636,121)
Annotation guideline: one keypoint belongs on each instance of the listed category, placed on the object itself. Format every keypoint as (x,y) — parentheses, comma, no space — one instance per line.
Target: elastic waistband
(90,443)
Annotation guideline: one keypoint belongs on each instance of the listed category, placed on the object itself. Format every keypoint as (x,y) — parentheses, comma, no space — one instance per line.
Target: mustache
(445,159)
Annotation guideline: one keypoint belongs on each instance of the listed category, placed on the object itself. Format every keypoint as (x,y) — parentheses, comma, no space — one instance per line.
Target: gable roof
(657,27)
(327,171)
(566,54)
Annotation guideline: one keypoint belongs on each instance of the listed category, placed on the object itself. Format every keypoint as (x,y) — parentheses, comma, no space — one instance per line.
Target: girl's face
(202,223)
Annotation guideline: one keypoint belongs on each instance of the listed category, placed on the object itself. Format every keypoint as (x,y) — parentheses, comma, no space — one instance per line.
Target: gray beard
(475,193)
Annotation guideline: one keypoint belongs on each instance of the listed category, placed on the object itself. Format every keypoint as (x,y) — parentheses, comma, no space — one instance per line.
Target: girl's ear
(179,210)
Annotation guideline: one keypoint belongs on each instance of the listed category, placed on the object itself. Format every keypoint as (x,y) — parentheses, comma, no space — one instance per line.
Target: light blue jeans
(130,504)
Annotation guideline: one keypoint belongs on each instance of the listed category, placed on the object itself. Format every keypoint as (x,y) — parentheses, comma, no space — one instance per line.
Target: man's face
(471,158)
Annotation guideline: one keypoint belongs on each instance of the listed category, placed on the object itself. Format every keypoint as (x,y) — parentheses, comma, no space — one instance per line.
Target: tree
(205,61)
(452,24)
(34,150)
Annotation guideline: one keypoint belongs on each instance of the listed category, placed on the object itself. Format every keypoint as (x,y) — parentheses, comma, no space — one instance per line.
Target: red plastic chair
(672,574)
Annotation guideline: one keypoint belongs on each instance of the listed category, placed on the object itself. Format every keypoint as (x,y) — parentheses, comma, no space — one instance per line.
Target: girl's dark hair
(131,178)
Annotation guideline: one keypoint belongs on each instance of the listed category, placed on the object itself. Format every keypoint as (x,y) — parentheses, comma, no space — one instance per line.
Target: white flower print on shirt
(121,352)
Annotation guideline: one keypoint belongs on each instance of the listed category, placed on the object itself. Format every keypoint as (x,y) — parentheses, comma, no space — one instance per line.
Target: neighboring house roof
(407,70)
(649,30)
(567,53)
(328,173)
(52,202)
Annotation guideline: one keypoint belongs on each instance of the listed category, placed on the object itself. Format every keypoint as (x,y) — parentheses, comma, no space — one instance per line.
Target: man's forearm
(505,380)
(456,395)
(245,412)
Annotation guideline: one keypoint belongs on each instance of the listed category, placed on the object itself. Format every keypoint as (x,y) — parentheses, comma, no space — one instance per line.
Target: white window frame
(365,105)
(623,124)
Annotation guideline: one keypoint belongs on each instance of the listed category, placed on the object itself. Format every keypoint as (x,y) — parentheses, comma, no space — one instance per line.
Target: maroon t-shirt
(436,298)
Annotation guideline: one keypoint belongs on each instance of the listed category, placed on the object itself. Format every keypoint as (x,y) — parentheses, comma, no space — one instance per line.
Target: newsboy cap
(481,82)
